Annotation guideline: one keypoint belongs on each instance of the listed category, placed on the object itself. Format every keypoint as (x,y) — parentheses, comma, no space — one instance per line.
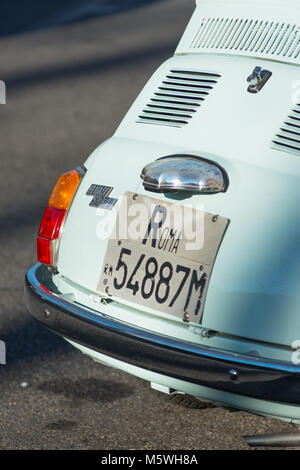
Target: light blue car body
(252,307)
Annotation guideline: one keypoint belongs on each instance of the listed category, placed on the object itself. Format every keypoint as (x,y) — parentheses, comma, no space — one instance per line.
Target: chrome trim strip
(217,369)
(85,313)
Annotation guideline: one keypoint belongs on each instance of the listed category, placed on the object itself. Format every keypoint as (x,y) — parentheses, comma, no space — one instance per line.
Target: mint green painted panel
(254,289)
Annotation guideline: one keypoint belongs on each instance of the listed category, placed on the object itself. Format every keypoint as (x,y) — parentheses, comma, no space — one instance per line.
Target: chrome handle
(184,173)
(258,79)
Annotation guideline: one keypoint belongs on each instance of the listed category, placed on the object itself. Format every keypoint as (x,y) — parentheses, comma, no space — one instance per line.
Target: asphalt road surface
(67,90)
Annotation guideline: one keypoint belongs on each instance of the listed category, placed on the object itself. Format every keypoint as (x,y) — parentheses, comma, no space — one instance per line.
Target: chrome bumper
(217,369)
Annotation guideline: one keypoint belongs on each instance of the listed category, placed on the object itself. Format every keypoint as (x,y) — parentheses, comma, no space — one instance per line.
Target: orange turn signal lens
(65,189)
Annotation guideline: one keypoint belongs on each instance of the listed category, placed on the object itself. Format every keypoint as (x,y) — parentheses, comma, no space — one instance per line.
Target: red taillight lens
(49,231)
(51,223)
(54,215)
(44,251)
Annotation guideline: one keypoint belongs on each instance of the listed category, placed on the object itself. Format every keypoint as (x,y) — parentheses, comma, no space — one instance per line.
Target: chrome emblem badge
(258,79)
(100,197)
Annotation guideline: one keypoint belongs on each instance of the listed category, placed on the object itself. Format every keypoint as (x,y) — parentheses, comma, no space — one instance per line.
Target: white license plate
(157,264)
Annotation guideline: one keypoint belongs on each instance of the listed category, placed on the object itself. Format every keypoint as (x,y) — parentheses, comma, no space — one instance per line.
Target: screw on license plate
(186,317)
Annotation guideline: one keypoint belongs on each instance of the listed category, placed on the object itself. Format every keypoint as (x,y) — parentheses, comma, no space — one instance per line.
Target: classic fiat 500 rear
(173,252)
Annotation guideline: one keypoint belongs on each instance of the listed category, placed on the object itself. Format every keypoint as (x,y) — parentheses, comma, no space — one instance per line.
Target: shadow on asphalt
(28,340)
(19,16)
(24,217)
(94,66)
(88,389)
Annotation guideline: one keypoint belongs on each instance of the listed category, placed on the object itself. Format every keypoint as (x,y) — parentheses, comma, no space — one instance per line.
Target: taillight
(54,215)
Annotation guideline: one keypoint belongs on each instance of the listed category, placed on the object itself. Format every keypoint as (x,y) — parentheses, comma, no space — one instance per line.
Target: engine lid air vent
(178,97)
(248,36)
(288,137)
(268,29)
